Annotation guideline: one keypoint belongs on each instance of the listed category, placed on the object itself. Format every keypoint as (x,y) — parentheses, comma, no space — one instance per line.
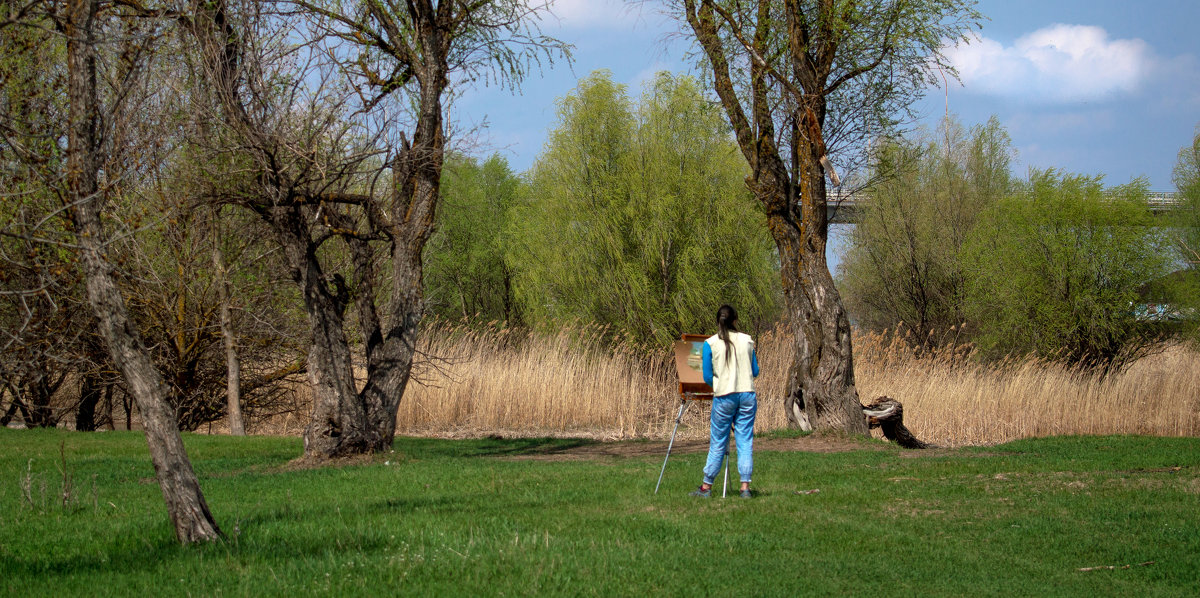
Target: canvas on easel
(690,369)
(692,387)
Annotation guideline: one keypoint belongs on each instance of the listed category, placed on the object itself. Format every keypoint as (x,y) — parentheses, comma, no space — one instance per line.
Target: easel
(691,388)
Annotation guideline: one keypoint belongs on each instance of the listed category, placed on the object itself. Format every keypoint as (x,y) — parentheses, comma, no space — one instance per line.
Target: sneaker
(701,492)
(746,494)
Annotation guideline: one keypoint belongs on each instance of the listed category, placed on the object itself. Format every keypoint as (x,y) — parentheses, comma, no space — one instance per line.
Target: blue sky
(1088,86)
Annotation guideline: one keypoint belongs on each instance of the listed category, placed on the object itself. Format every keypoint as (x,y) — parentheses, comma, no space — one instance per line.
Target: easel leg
(725,484)
(682,407)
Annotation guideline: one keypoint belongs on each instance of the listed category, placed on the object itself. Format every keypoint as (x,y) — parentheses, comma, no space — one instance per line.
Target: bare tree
(43,316)
(802,83)
(93,125)
(364,168)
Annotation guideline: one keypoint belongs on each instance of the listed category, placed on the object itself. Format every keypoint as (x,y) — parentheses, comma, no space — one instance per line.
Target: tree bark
(12,407)
(417,169)
(338,426)
(821,379)
(186,506)
(233,366)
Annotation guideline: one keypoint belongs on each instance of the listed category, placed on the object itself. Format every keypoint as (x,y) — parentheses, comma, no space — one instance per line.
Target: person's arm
(754,362)
(706,359)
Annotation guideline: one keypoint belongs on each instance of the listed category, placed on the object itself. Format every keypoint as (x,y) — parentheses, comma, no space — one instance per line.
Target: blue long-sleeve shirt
(706,358)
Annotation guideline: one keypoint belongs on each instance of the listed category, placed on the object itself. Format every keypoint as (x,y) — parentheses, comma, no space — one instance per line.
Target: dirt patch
(635,448)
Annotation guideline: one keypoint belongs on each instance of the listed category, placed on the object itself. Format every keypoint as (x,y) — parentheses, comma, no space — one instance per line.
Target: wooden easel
(691,388)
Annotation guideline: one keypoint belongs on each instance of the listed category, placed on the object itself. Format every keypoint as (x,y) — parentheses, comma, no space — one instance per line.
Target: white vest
(734,375)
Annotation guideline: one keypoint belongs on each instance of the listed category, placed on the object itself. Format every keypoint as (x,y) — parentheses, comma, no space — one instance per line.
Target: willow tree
(363,165)
(805,84)
(650,200)
(465,274)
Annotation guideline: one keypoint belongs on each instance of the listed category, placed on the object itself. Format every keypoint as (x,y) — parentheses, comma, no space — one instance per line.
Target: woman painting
(730,367)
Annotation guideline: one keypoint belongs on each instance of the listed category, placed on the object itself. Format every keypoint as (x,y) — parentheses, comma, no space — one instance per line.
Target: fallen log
(887,414)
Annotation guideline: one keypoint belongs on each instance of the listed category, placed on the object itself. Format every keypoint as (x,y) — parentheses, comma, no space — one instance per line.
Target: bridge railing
(844,209)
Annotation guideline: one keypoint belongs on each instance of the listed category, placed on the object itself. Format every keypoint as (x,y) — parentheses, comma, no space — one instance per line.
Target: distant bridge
(844,209)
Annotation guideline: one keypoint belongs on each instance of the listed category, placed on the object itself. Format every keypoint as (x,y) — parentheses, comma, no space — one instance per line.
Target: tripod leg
(682,407)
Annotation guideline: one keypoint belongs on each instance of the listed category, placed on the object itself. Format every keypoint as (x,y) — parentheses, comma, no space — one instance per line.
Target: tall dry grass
(516,382)
(510,382)
(953,400)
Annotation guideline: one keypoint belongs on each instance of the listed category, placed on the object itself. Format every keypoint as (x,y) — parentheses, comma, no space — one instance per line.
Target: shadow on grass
(263,538)
(486,447)
(125,555)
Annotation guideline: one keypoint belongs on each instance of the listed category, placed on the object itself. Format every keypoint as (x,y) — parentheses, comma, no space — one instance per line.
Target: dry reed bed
(949,399)
(509,382)
(514,382)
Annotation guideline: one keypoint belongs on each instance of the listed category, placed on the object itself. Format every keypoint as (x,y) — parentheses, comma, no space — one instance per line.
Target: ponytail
(726,321)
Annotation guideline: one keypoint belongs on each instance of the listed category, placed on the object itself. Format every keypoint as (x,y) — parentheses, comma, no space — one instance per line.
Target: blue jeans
(738,409)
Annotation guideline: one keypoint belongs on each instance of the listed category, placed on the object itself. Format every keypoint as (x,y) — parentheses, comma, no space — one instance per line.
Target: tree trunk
(185,503)
(417,170)
(887,414)
(106,407)
(10,412)
(338,425)
(89,398)
(392,359)
(127,407)
(233,366)
(821,378)
(26,418)
(38,391)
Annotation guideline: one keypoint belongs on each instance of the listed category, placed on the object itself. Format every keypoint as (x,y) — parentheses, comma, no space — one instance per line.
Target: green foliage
(465,275)
(471,517)
(1186,173)
(639,218)
(903,264)
(1055,270)
(1182,290)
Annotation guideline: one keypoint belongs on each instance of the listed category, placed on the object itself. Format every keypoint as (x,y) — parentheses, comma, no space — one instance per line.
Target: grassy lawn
(441,517)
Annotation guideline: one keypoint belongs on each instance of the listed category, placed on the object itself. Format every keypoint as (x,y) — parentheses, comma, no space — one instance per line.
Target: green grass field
(470,517)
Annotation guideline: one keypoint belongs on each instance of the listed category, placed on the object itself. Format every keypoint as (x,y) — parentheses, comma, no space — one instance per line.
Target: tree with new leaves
(637,218)
(50,339)
(466,277)
(44,317)
(1055,269)
(903,266)
(1184,291)
(805,85)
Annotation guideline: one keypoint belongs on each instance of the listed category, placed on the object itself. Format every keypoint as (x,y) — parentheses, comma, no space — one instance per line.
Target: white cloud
(592,13)
(1059,63)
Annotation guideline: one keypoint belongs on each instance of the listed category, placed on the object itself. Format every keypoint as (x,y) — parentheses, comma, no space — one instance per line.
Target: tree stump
(887,414)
